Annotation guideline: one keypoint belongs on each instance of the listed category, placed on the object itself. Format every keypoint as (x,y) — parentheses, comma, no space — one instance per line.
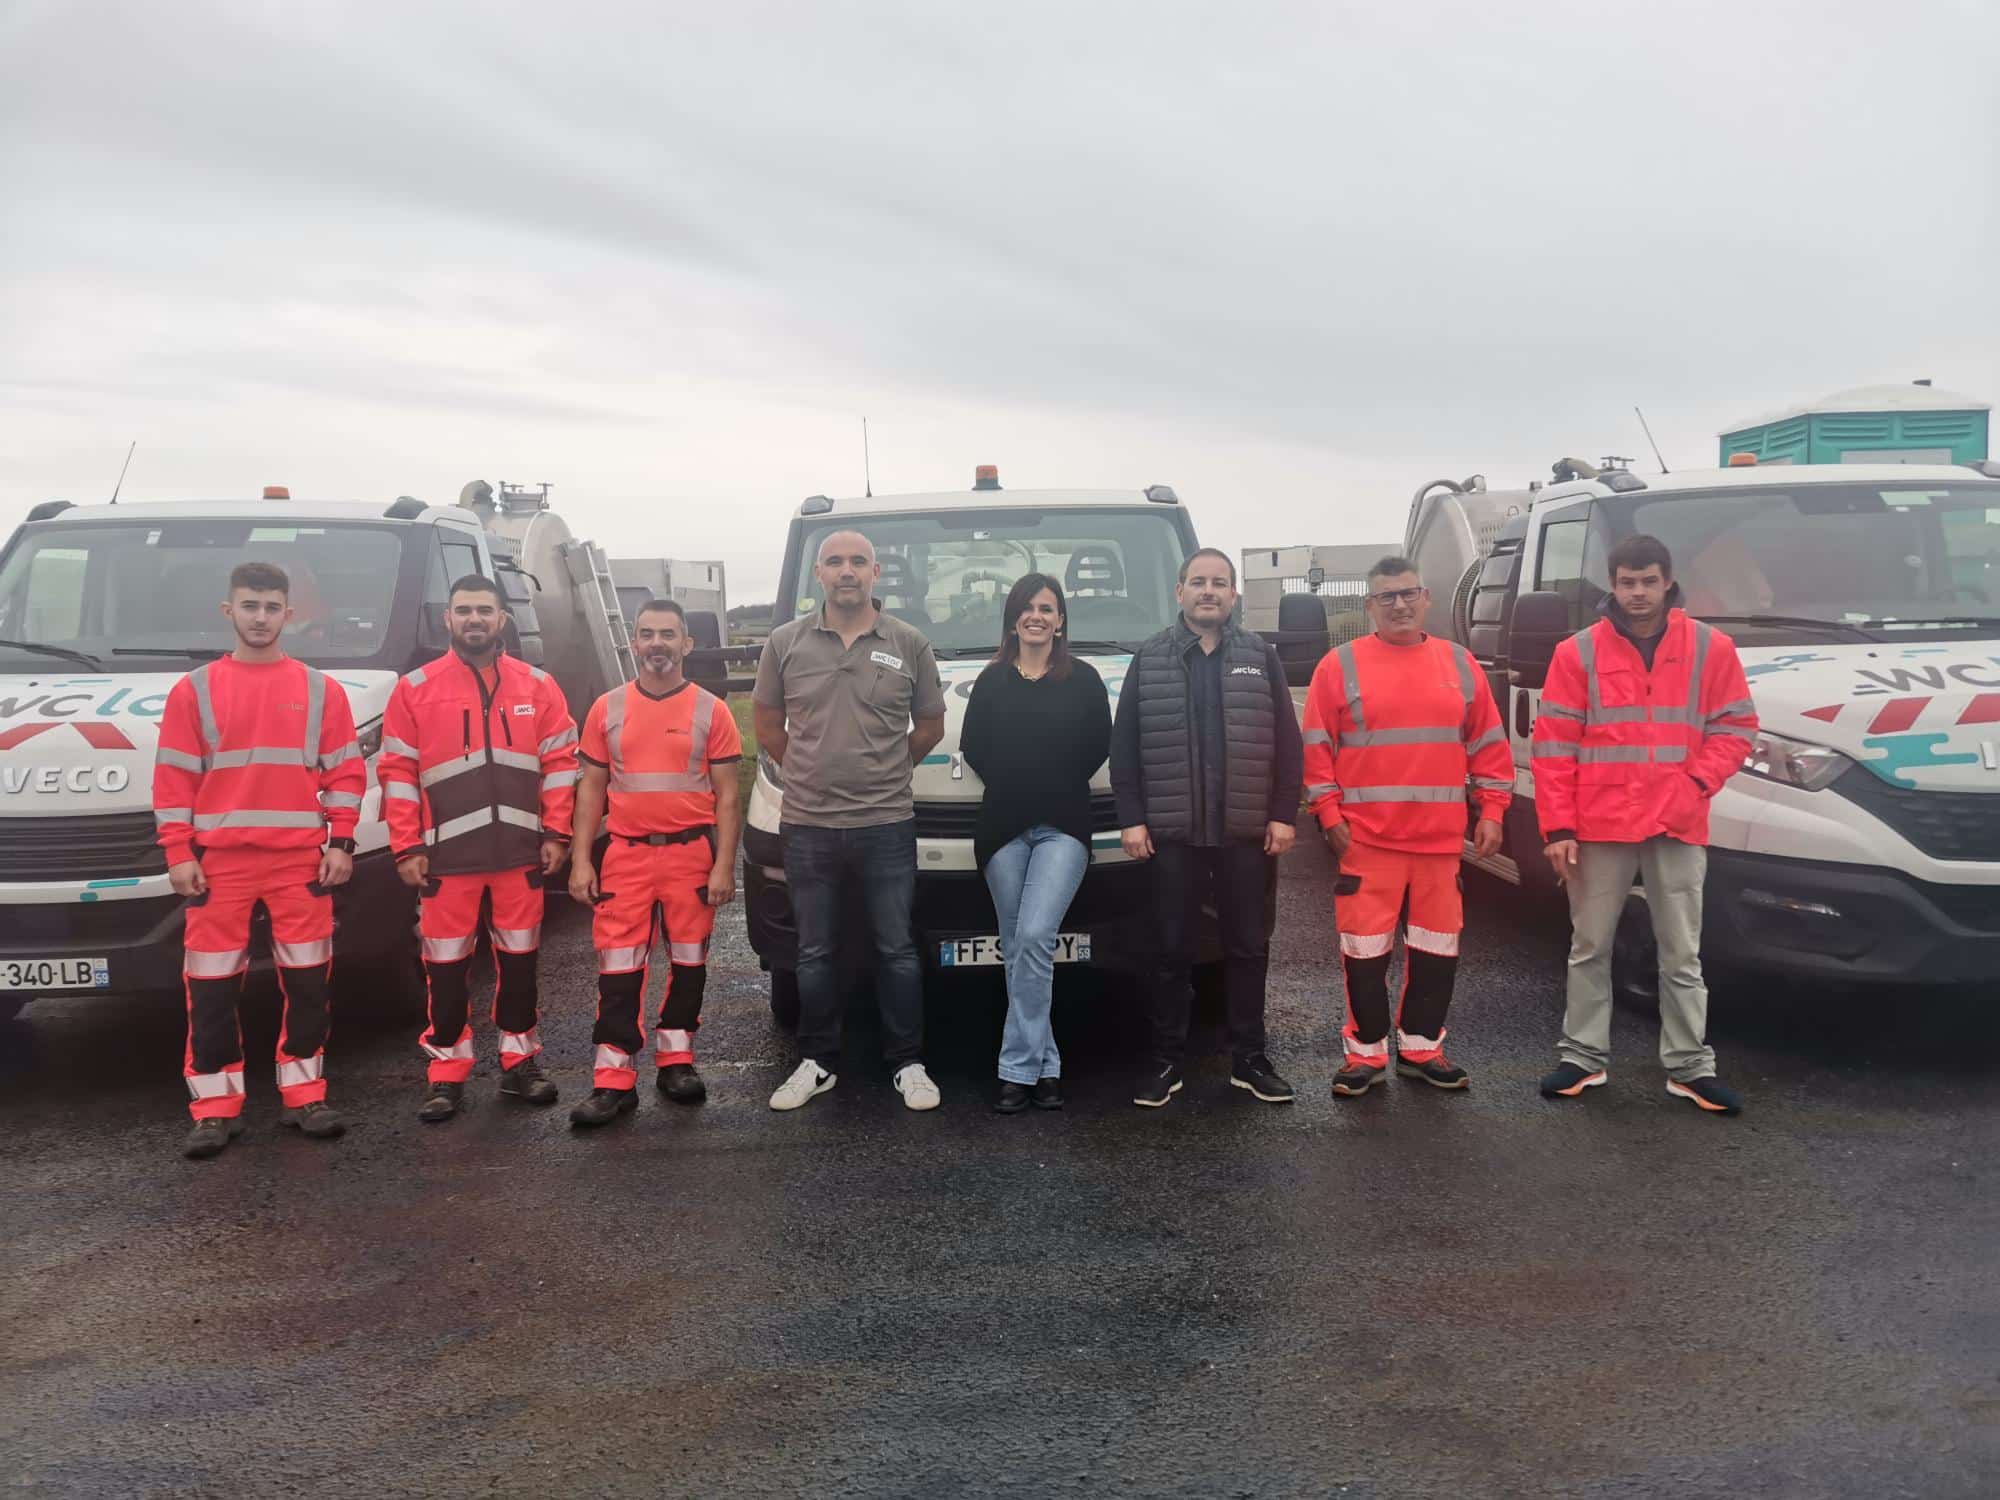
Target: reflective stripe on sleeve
(1493,783)
(162,816)
(340,757)
(1321,789)
(1492,736)
(308,955)
(1367,944)
(556,780)
(180,760)
(1732,731)
(401,791)
(556,741)
(199,965)
(393,746)
(340,799)
(1317,737)
(1734,710)
(1427,940)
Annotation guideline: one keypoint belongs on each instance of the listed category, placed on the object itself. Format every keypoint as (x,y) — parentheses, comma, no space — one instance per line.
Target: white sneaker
(807,1080)
(915,1085)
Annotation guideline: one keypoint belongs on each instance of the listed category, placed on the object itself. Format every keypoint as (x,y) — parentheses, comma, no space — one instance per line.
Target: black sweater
(1036,746)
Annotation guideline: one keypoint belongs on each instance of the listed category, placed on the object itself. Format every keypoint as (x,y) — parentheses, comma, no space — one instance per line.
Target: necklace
(1026,675)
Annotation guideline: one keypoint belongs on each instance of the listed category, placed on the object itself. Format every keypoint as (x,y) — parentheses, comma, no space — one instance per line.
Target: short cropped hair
(1391,566)
(1638,553)
(661,607)
(1209,552)
(264,577)
(474,583)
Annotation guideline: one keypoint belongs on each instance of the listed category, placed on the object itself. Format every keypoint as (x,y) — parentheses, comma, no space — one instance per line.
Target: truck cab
(1862,839)
(948,560)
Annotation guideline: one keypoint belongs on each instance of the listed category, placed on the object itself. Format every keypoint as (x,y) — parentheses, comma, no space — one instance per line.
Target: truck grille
(955,820)
(1945,825)
(89,848)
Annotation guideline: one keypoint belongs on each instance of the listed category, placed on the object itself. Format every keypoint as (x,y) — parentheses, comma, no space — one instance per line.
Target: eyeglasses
(1397,596)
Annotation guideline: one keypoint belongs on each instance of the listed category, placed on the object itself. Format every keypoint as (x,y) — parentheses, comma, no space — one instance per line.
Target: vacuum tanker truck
(1862,840)
(102,607)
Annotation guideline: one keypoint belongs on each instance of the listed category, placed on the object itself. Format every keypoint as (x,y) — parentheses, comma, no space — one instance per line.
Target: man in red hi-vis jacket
(1643,718)
(1396,724)
(663,752)
(478,774)
(256,790)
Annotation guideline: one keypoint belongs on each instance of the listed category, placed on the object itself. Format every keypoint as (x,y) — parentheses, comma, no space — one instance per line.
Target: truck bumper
(140,939)
(1821,920)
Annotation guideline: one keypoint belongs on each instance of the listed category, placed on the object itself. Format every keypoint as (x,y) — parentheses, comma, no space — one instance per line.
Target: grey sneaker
(209,1137)
(318,1119)
(441,1103)
(526,1081)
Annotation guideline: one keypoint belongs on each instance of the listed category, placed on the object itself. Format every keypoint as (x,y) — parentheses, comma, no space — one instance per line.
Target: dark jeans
(1234,875)
(821,866)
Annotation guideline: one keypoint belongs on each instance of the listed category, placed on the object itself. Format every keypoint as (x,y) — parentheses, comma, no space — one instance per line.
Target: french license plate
(54,974)
(984,952)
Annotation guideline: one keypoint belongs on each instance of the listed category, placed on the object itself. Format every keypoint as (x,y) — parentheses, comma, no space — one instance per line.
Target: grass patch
(746,769)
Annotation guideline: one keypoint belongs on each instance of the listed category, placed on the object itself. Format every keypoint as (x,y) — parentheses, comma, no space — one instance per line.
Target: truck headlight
(1790,762)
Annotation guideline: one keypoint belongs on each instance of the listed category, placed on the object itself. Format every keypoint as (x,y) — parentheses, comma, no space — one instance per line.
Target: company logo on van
(64,778)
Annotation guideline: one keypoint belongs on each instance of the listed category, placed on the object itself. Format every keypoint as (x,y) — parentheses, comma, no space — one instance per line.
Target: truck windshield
(102,587)
(948,573)
(1917,556)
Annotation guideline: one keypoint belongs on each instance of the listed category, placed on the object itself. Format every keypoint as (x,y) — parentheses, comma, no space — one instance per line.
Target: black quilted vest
(1167,743)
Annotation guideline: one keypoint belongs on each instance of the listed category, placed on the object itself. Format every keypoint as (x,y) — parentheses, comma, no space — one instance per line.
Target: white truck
(948,561)
(1862,842)
(102,607)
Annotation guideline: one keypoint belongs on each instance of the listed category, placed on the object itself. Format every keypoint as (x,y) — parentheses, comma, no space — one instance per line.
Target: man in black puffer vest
(1207,762)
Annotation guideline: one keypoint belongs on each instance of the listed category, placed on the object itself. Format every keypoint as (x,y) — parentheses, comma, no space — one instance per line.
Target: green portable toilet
(1871,424)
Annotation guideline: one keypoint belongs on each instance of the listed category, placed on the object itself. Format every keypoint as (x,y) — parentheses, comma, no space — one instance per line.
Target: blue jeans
(1032,879)
(822,865)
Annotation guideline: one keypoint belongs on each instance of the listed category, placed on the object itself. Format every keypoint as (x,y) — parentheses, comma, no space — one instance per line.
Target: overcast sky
(1292,259)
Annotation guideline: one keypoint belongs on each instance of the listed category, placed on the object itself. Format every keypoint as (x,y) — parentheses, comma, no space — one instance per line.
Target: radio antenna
(1649,437)
(121,473)
(867,472)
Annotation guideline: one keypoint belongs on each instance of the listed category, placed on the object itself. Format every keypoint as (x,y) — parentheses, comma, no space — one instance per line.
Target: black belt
(678,836)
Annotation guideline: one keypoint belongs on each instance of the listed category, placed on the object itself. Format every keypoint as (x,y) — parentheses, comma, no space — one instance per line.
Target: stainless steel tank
(1452,528)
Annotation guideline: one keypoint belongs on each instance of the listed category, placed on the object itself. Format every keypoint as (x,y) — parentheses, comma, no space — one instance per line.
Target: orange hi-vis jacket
(478,772)
(256,755)
(658,752)
(1622,754)
(1392,734)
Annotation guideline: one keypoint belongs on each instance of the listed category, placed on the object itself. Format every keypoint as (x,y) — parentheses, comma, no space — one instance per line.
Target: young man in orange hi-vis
(662,751)
(256,790)
(1396,723)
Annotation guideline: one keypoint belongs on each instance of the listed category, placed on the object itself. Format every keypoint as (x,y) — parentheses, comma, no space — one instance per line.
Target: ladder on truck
(597,598)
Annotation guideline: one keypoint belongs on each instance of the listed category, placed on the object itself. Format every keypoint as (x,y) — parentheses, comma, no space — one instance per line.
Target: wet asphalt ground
(1413,1293)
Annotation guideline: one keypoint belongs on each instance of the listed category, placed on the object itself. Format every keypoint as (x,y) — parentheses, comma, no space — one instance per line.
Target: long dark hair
(1018,598)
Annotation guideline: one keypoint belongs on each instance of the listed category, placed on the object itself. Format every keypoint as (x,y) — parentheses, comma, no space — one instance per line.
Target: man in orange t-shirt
(662,752)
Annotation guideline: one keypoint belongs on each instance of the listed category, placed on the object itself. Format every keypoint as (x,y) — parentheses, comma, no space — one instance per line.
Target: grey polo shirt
(847,717)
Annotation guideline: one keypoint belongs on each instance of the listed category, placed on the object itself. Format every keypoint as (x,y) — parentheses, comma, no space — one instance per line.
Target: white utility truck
(102,607)
(948,561)
(1862,841)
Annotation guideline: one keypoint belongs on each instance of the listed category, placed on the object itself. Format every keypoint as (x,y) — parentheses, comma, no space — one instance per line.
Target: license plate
(984,952)
(54,974)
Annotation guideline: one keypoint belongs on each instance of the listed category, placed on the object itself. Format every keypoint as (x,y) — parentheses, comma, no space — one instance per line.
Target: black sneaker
(1356,1078)
(441,1102)
(1012,1098)
(1158,1086)
(1711,1094)
(603,1106)
(1440,1072)
(1570,1079)
(680,1083)
(1048,1094)
(209,1137)
(526,1081)
(1257,1075)
(318,1119)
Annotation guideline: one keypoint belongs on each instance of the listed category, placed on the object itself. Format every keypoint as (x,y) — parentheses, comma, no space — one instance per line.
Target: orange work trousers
(216,955)
(448,920)
(1369,898)
(639,882)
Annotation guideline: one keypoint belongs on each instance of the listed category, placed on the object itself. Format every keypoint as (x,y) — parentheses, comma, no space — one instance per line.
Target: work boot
(680,1083)
(526,1081)
(1356,1078)
(441,1103)
(1048,1094)
(210,1136)
(318,1119)
(603,1106)
(1012,1098)
(1439,1072)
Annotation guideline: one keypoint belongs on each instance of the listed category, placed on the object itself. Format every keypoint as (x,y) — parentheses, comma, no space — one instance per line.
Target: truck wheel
(785,998)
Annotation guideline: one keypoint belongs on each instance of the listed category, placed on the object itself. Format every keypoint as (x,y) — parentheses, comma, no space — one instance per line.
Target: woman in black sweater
(1036,729)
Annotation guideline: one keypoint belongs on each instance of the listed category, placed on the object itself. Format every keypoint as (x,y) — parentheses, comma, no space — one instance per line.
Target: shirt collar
(819,620)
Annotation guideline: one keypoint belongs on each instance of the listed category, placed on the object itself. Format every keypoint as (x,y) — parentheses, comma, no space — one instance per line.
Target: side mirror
(1541,623)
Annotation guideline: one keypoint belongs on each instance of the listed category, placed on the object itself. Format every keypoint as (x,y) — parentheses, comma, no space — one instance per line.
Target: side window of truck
(1559,570)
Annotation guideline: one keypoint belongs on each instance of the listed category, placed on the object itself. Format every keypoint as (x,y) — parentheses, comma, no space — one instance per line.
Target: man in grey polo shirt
(847,702)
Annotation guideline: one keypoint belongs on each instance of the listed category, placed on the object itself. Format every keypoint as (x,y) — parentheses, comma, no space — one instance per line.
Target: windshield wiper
(1100,646)
(1991,622)
(62,651)
(1798,622)
(192,653)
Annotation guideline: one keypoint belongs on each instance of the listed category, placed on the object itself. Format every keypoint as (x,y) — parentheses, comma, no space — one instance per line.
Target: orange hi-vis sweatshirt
(1393,733)
(256,755)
